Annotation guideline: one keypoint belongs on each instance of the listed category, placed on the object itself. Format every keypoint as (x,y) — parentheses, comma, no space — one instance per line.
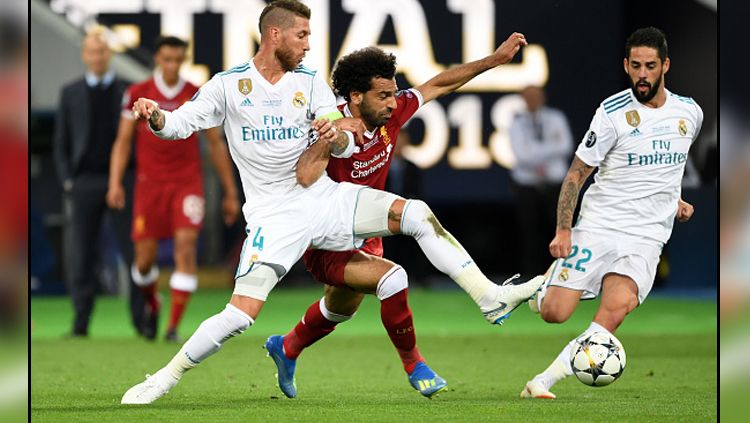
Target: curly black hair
(355,71)
(648,37)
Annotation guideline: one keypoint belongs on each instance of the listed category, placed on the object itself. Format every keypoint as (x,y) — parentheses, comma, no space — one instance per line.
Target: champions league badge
(591,139)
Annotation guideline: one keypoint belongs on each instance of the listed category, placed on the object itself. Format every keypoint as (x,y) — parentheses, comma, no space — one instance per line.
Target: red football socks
(397,319)
(312,327)
(179,302)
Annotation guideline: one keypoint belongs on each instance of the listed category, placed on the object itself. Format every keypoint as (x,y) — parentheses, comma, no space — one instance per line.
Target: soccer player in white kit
(639,138)
(272,109)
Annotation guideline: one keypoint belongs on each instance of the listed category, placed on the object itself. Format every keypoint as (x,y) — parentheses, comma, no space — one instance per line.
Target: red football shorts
(160,208)
(328,266)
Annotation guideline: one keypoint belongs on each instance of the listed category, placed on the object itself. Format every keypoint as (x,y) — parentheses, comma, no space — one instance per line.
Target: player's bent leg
(250,293)
(145,274)
(619,298)
(392,291)
(559,304)
(380,214)
(207,339)
(184,280)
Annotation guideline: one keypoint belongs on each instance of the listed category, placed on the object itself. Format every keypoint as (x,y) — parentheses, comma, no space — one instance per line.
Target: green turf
(355,375)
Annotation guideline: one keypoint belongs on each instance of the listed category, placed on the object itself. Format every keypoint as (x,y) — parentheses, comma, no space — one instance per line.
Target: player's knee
(418,219)
(183,281)
(393,282)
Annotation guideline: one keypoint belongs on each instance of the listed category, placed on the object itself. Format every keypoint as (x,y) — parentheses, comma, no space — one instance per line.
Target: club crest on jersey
(384,135)
(633,118)
(682,127)
(299,101)
(563,276)
(245,85)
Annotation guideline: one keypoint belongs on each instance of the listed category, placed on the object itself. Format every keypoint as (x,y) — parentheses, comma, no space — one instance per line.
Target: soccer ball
(598,359)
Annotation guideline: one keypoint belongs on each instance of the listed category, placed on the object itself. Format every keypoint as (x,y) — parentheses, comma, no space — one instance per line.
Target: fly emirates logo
(272,130)
(365,168)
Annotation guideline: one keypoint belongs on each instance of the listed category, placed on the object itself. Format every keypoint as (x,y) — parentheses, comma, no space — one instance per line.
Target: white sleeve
(599,139)
(207,109)
(698,121)
(323,102)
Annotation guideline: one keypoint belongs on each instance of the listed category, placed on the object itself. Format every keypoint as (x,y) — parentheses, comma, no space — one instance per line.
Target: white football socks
(560,367)
(207,339)
(445,252)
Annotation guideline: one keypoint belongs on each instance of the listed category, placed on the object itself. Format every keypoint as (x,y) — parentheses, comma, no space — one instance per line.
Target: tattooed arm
(579,171)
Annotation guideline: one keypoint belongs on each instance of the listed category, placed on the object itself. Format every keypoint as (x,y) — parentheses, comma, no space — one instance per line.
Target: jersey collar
(167,91)
(368,134)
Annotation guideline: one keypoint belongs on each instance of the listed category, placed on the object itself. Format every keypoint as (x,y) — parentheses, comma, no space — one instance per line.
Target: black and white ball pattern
(598,359)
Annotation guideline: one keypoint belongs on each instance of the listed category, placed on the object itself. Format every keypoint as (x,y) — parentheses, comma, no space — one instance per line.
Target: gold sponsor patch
(633,118)
(299,101)
(245,86)
(682,127)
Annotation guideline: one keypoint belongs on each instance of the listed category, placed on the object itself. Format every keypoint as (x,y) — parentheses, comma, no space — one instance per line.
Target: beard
(372,117)
(648,95)
(285,56)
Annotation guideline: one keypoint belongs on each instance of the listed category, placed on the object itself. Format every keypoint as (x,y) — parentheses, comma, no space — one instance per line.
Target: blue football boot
(285,366)
(427,382)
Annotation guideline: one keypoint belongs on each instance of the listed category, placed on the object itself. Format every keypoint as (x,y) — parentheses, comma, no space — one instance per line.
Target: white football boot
(535,389)
(153,388)
(509,296)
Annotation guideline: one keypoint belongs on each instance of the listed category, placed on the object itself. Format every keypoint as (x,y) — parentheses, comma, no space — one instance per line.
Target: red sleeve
(408,104)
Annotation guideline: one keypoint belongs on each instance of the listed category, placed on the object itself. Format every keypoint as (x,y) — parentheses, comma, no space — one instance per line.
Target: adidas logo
(635,132)
(246,102)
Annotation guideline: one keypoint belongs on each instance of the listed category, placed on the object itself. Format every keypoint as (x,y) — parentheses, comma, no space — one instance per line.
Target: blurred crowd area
(13,209)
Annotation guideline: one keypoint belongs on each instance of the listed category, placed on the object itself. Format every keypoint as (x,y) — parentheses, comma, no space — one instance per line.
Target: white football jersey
(266,125)
(641,154)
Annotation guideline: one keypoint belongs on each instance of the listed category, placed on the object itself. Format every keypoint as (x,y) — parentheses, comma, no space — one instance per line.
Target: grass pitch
(355,374)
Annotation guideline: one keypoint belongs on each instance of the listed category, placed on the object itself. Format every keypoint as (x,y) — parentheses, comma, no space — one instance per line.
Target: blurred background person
(85,129)
(542,144)
(168,199)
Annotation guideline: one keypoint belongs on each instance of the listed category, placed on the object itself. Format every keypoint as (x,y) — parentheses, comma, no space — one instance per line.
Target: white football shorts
(596,254)
(279,231)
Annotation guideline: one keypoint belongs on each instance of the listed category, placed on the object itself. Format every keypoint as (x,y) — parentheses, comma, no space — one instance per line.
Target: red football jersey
(370,162)
(157,159)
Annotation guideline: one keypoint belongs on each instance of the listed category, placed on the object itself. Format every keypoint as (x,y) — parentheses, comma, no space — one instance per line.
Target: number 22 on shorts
(585,258)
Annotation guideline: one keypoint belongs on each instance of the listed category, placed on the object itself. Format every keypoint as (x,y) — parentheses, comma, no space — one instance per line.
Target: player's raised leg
(250,293)
(379,213)
(184,280)
(145,274)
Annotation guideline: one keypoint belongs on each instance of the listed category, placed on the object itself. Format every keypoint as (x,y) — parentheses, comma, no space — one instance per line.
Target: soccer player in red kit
(168,199)
(366,80)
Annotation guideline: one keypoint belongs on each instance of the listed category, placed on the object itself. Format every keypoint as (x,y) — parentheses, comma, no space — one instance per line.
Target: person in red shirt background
(168,199)
(366,80)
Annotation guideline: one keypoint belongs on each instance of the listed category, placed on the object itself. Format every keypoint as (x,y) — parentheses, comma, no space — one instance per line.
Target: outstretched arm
(451,79)
(217,149)
(578,172)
